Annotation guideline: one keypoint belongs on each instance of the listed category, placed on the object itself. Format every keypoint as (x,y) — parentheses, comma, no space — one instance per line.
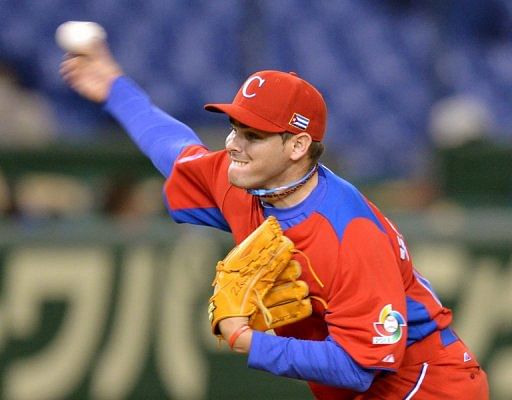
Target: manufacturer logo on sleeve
(390,326)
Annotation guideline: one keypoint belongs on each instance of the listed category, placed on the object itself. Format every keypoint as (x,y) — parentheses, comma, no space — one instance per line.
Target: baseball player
(377,329)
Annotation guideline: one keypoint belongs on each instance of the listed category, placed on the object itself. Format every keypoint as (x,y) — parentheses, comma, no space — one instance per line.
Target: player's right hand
(91,75)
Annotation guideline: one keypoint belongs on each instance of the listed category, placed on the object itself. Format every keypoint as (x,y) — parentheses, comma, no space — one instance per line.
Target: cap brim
(245,117)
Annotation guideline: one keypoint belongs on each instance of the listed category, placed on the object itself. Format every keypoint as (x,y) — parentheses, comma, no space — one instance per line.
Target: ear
(300,145)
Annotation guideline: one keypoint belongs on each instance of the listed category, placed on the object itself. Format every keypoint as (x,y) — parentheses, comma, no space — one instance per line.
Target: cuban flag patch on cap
(299,121)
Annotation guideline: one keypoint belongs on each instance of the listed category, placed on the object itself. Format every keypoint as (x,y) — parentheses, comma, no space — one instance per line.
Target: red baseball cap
(275,101)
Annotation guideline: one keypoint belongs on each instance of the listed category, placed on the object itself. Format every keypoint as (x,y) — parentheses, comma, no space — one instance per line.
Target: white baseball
(390,324)
(78,36)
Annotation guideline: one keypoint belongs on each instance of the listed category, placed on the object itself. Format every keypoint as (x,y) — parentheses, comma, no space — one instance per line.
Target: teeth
(239,163)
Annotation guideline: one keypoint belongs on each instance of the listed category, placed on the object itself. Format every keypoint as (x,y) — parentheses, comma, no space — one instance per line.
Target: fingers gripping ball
(79,36)
(248,273)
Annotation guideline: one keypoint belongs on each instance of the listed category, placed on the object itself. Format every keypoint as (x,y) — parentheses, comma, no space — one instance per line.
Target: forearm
(323,362)
(159,136)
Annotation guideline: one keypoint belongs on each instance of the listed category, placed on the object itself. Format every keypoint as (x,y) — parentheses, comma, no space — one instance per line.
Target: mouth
(238,163)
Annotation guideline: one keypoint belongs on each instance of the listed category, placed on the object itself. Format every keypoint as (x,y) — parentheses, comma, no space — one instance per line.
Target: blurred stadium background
(103,297)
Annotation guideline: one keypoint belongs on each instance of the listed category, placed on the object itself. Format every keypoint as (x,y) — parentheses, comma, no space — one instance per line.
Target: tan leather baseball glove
(287,301)
(259,280)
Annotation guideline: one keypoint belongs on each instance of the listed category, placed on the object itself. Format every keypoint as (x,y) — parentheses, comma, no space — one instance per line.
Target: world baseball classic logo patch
(390,326)
(299,121)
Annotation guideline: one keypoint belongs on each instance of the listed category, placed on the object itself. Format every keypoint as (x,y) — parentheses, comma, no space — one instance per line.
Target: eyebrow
(239,124)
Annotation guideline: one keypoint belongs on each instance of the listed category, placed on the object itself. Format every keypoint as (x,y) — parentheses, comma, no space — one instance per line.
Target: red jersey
(372,303)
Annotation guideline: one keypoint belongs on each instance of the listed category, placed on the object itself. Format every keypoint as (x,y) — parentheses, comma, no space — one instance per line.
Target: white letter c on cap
(261,81)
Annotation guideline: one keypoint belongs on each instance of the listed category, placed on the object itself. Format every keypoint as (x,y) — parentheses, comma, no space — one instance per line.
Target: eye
(253,136)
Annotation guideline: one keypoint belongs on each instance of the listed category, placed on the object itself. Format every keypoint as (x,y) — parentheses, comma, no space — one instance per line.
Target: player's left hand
(248,272)
(287,301)
(258,281)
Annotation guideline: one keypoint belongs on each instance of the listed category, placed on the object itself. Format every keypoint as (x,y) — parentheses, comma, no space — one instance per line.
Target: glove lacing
(310,267)
(267,315)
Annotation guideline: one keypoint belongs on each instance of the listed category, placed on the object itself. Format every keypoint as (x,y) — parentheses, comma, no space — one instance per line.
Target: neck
(293,194)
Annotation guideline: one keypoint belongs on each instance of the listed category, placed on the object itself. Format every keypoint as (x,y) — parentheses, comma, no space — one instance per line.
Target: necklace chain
(286,191)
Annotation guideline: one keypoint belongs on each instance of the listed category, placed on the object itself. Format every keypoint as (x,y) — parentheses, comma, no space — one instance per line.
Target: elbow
(364,382)
(360,380)
(359,385)
(346,372)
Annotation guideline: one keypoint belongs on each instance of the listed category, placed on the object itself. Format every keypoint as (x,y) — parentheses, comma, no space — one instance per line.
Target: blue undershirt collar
(294,215)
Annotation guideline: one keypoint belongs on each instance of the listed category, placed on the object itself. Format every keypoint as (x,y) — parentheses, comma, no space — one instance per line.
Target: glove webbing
(243,270)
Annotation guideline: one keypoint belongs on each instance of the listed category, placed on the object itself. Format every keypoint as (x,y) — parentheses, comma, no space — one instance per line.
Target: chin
(239,181)
(236,180)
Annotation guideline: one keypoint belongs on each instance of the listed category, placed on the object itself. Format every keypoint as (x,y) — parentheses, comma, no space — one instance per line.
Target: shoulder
(344,204)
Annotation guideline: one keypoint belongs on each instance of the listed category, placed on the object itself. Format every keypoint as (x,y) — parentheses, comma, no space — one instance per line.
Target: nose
(232,143)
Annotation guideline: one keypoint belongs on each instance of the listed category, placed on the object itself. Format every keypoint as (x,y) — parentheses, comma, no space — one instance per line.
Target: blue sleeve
(324,362)
(159,136)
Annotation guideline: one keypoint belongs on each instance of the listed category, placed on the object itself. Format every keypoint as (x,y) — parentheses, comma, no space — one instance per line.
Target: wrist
(237,340)
(237,333)
(243,343)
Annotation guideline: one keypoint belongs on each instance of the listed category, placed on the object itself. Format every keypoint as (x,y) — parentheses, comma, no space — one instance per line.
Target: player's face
(258,159)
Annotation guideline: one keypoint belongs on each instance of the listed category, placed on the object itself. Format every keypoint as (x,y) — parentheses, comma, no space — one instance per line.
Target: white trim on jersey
(418,384)
(427,285)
